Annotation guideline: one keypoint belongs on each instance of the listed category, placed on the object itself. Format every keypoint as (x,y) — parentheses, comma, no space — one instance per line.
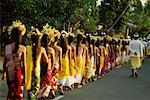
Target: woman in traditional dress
(38,54)
(90,58)
(97,54)
(66,55)
(102,57)
(85,55)
(79,60)
(14,65)
(112,56)
(148,47)
(72,72)
(96,57)
(123,52)
(57,60)
(107,59)
(118,53)
(47,82)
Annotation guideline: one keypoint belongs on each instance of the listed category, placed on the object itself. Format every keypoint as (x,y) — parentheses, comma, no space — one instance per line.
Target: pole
(119,16)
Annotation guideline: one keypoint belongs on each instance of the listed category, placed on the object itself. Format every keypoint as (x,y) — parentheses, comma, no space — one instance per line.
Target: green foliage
(39,12)
(140,16)
(82,14)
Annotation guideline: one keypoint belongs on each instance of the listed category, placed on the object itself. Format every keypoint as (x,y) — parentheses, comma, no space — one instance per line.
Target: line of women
(49,63)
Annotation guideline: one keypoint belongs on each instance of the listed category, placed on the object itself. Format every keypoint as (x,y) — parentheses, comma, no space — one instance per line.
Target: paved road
(116,85)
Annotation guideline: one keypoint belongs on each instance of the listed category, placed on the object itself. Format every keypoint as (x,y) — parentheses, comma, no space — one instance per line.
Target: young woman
(57,60)
(118,51)
(38,54)
(47,82)
(96,57)
(123,52)
(79,60)
(66,55)
(85,55)
(14,65)
(113,53)
(102,58)
(72,71)
(90,59)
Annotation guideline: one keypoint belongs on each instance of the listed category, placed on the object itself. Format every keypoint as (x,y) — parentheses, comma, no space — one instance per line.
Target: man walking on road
(136,53)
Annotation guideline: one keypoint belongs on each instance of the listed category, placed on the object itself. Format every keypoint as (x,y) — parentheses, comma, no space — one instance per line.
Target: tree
(58,13)
(110,10)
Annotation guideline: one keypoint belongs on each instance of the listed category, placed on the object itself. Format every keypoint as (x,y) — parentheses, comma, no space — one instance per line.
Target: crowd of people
(47,62)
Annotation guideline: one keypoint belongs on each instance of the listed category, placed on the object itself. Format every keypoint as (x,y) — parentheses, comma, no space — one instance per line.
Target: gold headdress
(64,33)
(47,29)
(79,32)
(71,34)
(99,38)
(19,25)
(109,38)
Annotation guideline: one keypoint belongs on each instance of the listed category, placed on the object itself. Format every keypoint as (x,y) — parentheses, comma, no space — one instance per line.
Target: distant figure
(136,53)
(148,48)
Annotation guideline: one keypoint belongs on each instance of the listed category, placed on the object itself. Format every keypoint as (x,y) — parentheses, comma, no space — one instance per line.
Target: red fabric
(14,86)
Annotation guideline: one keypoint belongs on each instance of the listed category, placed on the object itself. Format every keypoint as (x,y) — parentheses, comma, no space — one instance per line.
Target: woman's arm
(53,56)
(60,58)
(74,54)
(69,53)
(25,64)
(4,68)
(44,54)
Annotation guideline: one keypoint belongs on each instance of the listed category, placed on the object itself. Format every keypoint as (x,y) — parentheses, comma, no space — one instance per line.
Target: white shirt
(148,45)
(136,46)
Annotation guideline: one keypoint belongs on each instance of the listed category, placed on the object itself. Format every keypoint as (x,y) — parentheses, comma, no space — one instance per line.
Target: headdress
(47,29)
(71,34)
(136,35)
(103,34)
(19,25)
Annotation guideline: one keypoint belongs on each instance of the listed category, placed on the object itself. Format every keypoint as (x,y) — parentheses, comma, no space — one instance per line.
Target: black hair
(70,39)
(45,41)
(123,45)
(97,43)
(79,39)
(105,41)
(63,44)
(35,47)
(89,41)
(15,37)
(93,44)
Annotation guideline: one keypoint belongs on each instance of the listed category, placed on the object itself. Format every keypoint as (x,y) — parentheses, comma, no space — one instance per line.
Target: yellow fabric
(148,51)
(101,62)
(106,49)
(79,60)
(72,67)
(88,65)
(84,61)
(135,62)
(64,73)
(102,58)
(117,47)
(29,68)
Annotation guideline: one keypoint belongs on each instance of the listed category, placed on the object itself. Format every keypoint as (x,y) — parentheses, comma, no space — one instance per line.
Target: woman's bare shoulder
(42,49)
(22,48)
(51,50)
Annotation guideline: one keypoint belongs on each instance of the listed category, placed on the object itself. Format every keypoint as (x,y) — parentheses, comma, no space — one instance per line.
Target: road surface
(116,85)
